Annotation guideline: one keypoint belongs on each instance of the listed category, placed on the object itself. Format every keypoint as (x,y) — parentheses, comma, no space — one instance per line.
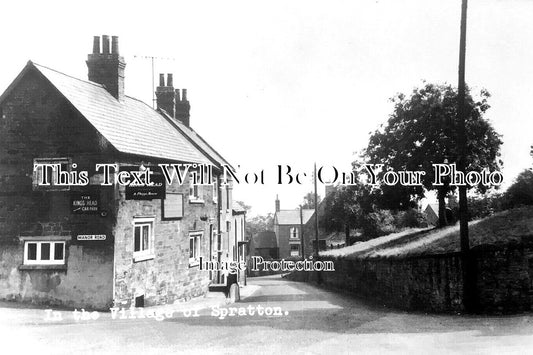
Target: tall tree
(422,130)
(309,200)
(259,224)
(346,207)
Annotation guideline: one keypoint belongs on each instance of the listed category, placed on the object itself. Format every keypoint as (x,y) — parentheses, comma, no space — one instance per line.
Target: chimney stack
(173,101)
(277,204)
(165,95)
(107,68)
(183,107)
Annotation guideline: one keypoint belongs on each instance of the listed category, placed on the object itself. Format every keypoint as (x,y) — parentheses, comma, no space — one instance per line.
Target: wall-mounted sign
(84,203)
(173,206)
(91,237)
(136,190)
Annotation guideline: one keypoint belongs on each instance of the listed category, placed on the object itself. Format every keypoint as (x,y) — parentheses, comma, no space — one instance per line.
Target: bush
(377,223)
(410,218)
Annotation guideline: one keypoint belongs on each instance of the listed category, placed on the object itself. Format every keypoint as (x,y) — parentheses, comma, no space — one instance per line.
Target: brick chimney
(165,94)
(277,204)
(182,107)
(173,101)
(106,67)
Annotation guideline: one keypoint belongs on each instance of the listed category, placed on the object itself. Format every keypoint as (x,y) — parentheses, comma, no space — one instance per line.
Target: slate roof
(131,126)
(265,240)
(285,217)
(200,143)
(237,209)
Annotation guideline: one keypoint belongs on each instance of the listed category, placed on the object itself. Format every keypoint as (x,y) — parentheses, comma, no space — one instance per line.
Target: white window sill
(142,257)
(193,263)
(45,238)
(196,200)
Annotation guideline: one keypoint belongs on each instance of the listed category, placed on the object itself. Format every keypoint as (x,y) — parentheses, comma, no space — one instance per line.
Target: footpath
(14,313)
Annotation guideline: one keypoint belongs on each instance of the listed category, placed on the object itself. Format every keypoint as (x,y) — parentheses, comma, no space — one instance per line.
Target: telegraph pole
(302,232)
(319,278)
(468,264)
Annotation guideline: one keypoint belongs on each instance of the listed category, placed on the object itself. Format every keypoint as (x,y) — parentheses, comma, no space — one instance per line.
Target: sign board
(136,191)
(84,203)
(91,237)
(172,206)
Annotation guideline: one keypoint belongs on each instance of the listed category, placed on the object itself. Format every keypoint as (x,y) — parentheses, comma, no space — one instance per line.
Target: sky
(292,82)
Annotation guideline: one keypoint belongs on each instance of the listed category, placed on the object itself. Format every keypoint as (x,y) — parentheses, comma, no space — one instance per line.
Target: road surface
(304,320)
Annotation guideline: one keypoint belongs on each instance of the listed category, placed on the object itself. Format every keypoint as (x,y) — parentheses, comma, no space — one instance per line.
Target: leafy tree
(309,200)
(521,191)
(346,208)
(259,224)
(422,131)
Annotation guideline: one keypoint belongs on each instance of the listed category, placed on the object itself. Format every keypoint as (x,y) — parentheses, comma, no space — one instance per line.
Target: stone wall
(167,276)
(434,282)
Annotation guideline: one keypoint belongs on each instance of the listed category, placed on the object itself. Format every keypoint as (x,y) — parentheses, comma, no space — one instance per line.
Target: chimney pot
(105,44)
(96,45)
(182,112)
(169,80)
(161,79)
(114,44)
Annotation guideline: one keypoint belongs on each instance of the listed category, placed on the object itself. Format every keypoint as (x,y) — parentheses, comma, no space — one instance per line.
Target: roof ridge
(141,101)
(70,76)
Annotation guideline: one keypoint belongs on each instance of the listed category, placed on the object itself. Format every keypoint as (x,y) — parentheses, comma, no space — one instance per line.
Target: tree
(422,130)
(346,208)
(309,200)
(521,191)
(259,224)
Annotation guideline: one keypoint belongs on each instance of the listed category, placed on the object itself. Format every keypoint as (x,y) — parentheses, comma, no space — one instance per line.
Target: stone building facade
(97,245)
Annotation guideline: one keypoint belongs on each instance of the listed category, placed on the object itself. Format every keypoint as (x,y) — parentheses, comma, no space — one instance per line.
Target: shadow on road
(313,308)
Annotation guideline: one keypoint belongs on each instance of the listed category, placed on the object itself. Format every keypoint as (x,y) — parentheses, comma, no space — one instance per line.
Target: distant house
(288,229)
(432,212)
(264,244)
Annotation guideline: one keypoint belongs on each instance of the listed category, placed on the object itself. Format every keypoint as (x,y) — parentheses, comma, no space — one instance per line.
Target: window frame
(148,253)
(38,253)
(197,238)
(195,193)
(294,233)
(53,183)
(291,249)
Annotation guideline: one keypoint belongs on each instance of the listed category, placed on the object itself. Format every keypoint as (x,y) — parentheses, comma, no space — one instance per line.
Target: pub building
(97,246)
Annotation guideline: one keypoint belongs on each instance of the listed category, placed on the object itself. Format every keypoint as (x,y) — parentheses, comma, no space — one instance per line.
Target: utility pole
(302,232)
(468,264)
(319,278)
